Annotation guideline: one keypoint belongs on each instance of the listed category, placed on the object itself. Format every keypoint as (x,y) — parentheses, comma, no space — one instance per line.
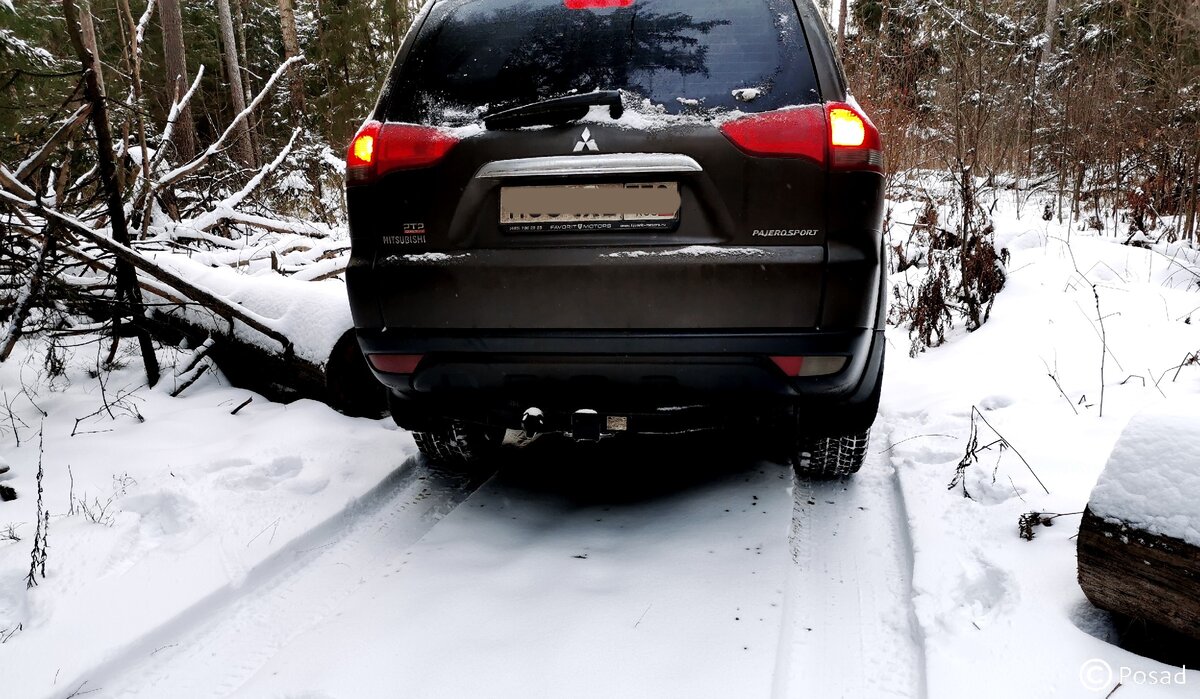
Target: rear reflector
(378,149)
(789,365)
(595,4)
(809,366)
(395,363)
(797,132)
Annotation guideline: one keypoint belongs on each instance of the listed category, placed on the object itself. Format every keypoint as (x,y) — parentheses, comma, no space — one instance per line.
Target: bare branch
(199,161)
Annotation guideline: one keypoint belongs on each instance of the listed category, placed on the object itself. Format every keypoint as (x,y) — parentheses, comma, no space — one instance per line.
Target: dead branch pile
(90,220)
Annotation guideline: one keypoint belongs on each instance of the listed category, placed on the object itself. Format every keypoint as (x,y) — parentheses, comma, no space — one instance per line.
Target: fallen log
(342,381)
(142,264)
(1139,540)
(1144,576)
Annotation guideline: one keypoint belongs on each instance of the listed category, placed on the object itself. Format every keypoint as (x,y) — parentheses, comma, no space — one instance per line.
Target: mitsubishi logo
(586,142)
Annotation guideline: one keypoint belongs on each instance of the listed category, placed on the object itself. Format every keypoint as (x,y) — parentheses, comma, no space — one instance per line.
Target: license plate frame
(582,208)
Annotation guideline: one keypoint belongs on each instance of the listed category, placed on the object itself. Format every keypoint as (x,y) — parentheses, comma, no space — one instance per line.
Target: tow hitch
(585,426)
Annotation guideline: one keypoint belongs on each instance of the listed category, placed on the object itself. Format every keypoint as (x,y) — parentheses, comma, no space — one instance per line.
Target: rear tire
(458,445)
(827,457)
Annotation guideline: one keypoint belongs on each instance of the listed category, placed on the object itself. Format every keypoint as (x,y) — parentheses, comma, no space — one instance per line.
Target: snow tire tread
(456,445)
(827,457)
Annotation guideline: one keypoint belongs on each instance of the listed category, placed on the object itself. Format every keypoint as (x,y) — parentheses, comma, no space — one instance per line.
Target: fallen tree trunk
(137,261)
(343,381)
(1139,574)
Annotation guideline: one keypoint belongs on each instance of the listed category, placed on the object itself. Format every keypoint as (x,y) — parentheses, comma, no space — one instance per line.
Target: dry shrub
(964,276)
(928,314)
(983,276)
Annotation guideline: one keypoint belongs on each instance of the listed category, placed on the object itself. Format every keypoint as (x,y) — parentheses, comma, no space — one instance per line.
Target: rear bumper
(609,288)
(493,376)
(621,331)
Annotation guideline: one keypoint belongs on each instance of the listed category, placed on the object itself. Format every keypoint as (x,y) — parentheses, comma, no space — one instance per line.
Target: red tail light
(798,132)
(836,133)
(593,4)
(378,149)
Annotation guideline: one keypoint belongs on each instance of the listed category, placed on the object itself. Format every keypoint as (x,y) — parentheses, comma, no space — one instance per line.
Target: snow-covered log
(1139,542)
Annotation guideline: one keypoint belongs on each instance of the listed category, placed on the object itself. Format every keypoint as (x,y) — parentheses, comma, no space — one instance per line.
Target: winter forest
(201,493)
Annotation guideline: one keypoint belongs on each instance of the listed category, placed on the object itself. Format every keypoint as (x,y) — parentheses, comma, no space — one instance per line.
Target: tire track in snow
(215,645)
(849,629)
(904,524)
(627,569)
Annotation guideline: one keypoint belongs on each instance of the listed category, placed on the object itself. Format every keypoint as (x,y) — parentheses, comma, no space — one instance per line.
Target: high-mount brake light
(378,149)
(595,4)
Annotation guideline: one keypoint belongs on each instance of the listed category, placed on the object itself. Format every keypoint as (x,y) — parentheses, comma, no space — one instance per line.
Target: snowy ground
(288,551)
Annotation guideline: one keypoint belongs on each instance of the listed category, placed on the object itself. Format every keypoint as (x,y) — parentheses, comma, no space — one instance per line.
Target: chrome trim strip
(606,164)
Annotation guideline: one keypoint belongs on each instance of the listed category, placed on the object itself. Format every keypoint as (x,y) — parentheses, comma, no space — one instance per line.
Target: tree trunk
(135,66)
(397,21)
(243,149)
(239,22)
(175,58)
(88,36)
(27,297)
(344,382)
(291,47)
(1051,18)
(1139,574)
(1193,201)
(129,294)
(841,28)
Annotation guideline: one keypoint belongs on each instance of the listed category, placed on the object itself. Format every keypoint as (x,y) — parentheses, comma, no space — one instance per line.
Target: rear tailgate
(744,248)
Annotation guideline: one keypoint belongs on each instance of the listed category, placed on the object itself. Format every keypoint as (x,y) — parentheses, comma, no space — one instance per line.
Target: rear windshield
(685,56)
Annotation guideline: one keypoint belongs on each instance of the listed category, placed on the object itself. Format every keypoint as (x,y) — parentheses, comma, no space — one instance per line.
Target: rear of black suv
(608,216)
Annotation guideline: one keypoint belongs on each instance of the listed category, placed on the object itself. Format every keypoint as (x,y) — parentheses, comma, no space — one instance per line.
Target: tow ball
(533,422)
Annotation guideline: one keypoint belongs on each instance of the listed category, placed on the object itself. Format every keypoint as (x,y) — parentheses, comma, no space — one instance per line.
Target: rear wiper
(555,111)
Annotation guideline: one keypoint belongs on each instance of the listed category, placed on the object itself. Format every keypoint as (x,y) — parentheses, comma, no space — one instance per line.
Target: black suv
(596,217)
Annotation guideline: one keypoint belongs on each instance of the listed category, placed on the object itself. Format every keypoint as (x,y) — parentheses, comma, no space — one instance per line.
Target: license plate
(589,207)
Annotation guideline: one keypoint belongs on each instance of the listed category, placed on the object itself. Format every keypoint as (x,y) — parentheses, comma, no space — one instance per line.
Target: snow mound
(314,315)
(1153,475)
(747,94)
